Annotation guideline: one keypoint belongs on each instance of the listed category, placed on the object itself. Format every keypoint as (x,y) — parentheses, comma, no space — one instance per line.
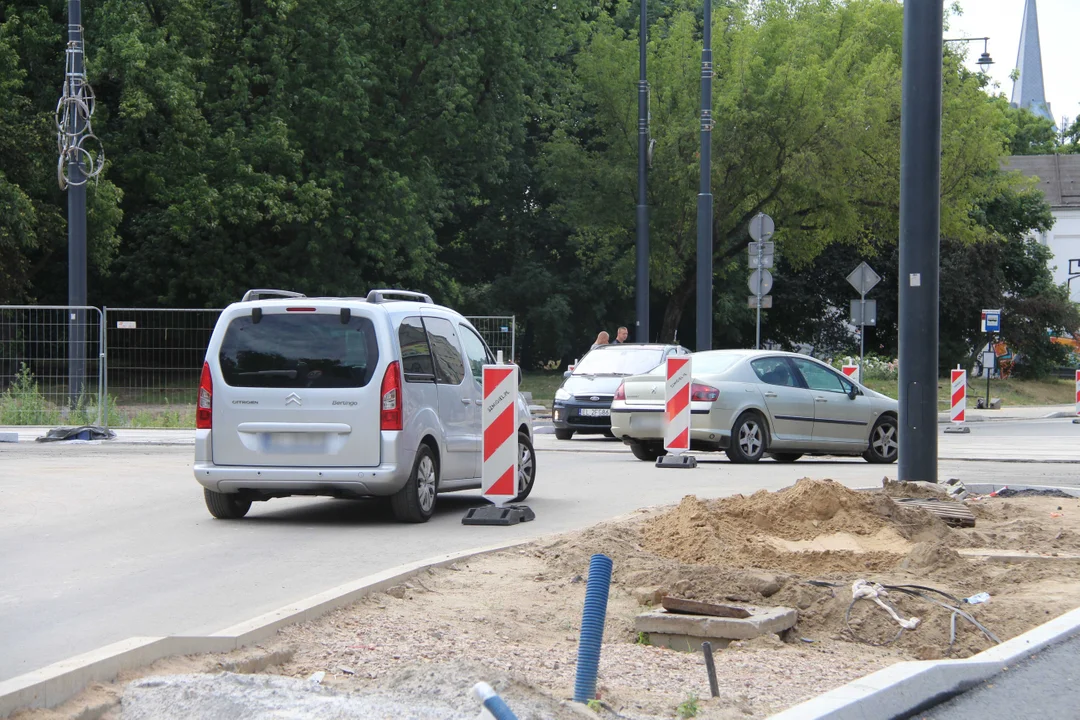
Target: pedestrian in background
(601,339)
(620,335)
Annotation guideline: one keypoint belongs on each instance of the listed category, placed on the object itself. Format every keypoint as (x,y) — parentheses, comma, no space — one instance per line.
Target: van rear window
(309,350)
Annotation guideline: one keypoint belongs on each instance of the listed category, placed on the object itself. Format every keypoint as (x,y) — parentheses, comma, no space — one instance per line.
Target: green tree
(1028,133)
(33,210)
(806,107)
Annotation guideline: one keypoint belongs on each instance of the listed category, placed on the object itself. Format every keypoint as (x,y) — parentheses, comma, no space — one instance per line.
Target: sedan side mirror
(853,392)
(567,374)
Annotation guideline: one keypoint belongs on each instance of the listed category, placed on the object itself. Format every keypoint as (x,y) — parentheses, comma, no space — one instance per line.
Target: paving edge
(57,683)
(906,688)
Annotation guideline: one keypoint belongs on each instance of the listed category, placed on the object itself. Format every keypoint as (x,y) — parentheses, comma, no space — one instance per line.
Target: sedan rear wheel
(884,441)
(748,438)
(648,453)
(786,457)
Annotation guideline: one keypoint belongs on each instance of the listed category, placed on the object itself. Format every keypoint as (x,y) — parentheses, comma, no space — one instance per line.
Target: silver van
(344,397)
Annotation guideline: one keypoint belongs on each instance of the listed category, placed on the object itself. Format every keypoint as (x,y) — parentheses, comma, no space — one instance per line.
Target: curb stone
(901,690)
(57,683)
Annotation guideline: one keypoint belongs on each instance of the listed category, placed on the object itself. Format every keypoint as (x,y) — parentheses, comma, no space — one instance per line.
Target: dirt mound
(815,526)
(929,556)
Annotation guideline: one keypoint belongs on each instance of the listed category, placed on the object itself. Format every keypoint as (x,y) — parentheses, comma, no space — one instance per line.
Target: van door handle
(466,401)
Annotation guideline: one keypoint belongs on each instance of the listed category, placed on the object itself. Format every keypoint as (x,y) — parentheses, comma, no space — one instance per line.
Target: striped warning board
(852,371)
(959,395)
(498,477)
(1078,392)
(677,401)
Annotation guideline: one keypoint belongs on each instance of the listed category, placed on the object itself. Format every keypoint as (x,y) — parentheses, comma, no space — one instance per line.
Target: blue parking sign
(991,321)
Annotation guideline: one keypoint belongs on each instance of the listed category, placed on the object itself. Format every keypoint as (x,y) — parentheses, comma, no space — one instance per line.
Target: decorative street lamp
(985,61)
(76,166)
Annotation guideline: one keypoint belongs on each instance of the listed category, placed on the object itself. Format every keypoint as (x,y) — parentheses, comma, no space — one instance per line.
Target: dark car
(583,403)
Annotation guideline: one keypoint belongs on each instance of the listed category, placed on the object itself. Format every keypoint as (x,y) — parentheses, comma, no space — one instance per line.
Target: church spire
(1027,89)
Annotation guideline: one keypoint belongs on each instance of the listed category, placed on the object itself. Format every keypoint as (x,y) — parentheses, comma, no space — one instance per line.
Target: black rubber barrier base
(961,430)
(494,515)
(676,461)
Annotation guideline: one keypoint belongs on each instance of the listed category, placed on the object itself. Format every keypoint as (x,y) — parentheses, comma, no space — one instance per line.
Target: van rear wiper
(291,374)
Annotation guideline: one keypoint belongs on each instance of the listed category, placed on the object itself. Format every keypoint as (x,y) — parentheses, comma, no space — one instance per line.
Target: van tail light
(204,412)
(390,414)
(620,394)
(700,392)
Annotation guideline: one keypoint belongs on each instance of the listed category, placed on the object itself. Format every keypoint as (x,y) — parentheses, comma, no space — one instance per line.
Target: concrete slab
(687,632)
(9,437)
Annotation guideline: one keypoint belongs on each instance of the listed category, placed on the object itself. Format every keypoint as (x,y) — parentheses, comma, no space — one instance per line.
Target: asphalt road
(1046,685)
(103,542)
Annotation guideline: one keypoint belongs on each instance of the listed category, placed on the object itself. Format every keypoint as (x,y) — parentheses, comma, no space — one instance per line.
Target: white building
(1059,179)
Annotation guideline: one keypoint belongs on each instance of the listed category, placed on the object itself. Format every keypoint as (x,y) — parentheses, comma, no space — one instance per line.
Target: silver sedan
(753,403)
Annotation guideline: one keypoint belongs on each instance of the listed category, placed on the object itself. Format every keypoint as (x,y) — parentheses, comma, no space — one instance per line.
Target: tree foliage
(487,153)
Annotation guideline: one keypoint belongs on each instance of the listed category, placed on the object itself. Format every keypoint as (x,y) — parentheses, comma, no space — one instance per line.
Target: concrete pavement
(1048,683)
(110,540)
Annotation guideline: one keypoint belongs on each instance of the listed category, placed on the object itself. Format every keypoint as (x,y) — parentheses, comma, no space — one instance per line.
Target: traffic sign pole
(762,228)
(757,341)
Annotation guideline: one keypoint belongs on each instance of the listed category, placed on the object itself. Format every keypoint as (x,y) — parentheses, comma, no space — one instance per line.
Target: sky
(1000,20)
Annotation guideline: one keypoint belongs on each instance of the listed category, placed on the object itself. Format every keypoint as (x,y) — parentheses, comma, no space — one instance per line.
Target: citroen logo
(293,399)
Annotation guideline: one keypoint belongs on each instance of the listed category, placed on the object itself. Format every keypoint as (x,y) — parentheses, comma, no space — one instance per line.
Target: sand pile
(815,526)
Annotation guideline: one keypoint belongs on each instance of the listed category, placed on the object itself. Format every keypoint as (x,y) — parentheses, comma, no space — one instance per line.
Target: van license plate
(595,412)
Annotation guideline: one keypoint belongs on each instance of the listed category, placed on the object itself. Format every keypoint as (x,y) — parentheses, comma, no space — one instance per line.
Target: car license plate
(594,412)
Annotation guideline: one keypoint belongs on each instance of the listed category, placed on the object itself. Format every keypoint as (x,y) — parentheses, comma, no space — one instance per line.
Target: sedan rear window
(308,350)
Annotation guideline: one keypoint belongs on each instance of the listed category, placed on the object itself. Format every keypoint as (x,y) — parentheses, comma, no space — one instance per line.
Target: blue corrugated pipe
(592,627)
(492,702)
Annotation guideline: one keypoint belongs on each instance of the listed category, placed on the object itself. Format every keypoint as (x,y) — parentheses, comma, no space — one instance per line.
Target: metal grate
(498,332)
(155,357)
(50,365)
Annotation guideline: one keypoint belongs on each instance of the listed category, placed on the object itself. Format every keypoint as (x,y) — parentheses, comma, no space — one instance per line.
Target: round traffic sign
(760,282)
(762,227)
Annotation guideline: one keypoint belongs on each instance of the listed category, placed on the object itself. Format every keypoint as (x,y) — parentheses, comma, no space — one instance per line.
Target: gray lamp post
(642,289)
(920,220)
(75,166)
(705,209)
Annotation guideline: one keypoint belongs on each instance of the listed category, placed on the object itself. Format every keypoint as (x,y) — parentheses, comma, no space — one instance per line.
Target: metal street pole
(705,210)
(862,332)
(642,292)
(920,216)
(760,264)
(76,189)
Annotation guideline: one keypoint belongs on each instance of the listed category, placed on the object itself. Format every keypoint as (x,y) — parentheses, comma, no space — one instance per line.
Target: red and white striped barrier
(499,474)
(959,395)
(1078,392)
(677,405)
(852,371)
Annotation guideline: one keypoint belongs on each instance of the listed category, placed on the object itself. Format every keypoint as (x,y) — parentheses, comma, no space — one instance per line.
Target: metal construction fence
(122,367)
(51,365)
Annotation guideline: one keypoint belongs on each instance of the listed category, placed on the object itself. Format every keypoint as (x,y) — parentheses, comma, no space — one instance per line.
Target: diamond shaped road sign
(863,278)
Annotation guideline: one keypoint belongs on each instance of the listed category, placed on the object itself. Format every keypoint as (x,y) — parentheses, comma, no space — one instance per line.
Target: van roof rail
(259,294)
(385,295)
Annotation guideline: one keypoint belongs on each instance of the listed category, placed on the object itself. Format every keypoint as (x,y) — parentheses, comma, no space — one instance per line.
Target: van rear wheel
(226,506)
(415,503)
